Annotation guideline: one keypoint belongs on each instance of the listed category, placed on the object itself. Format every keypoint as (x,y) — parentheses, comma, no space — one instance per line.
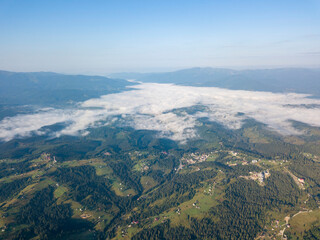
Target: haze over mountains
(299,80)
(23,92)
(53,89)
(228,97)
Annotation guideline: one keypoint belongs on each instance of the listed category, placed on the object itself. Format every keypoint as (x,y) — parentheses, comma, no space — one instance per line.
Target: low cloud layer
(161,107)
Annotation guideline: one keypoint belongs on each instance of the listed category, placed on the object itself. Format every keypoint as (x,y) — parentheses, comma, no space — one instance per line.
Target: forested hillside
(120,183)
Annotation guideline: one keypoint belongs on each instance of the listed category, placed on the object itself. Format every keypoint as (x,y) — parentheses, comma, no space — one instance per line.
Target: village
(195,158)
(259,177)
(234,158)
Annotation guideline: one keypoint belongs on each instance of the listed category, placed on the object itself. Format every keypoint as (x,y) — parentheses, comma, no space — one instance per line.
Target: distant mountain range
(46,88)
(298,80)
(52,89)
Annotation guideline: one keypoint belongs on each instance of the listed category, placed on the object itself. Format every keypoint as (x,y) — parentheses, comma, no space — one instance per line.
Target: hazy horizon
(167,70)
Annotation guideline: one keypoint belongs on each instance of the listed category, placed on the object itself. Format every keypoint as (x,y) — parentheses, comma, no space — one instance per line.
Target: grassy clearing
(101,167)
(103,170)
(139,167)
(60,191)
(148,182)
(141,164)
(255,136)
(121,190)
(304,221)
(76,207)
(212,157)
(75,163)
(203,202)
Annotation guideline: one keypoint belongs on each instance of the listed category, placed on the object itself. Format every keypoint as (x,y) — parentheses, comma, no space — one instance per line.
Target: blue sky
(101,37)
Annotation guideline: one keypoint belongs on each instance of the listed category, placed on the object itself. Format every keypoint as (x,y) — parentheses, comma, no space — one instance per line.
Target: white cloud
(25,125)
(150,106)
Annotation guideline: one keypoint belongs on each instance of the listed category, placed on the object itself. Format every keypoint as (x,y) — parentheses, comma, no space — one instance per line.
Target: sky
(101,37)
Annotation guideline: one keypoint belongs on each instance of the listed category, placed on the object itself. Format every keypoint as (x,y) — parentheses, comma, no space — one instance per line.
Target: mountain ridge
(54,88)
(300,80)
